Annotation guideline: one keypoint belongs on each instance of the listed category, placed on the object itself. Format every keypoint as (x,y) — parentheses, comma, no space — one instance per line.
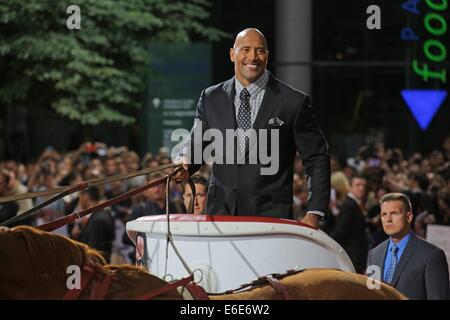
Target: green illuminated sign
(433,49)
(425,102)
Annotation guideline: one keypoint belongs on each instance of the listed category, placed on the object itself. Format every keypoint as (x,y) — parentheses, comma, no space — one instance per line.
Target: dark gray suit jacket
(350,233)
(240,188)
(422,272)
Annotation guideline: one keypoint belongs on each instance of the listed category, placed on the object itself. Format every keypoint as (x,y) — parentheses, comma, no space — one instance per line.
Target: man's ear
(409,217)
(232,54)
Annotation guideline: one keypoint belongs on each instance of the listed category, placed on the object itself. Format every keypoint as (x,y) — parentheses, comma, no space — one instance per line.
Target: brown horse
(35,266)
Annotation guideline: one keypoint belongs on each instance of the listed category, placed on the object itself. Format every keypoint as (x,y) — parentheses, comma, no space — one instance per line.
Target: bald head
(249,55)
(246,32)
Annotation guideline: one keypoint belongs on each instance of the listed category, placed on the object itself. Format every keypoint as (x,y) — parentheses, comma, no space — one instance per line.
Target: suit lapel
(382,257)
(269,104)
(230,110)
(409,250)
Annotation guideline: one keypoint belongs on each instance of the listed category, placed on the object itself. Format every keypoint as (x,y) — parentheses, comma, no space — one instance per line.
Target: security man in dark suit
(255,99)
(413,266)
(350,228)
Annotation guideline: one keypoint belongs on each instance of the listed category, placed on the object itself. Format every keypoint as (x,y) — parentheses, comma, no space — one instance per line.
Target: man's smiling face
(250,56)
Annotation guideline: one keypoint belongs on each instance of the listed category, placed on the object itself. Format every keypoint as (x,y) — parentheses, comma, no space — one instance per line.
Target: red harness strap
(278,287)
(99,286)
(273,280)
(86,277)
(166,288)
(196,291)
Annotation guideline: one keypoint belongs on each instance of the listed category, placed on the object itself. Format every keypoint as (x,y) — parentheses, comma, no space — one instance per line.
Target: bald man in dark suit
(255,99)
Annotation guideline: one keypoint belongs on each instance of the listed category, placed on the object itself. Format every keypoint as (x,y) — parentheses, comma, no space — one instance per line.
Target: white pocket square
(275,122)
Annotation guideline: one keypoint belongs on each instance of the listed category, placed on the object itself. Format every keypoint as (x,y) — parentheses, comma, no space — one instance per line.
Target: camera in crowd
(93,151)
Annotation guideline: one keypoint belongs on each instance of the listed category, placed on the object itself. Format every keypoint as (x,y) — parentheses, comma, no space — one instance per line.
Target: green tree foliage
(96,73)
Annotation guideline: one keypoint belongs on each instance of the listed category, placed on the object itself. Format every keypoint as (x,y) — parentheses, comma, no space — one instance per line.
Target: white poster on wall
(440,236)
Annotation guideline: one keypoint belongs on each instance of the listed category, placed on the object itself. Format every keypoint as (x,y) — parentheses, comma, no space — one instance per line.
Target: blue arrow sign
(424,104)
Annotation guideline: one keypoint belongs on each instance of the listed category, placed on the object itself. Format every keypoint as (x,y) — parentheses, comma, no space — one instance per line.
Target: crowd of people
(353,219)
(104,230)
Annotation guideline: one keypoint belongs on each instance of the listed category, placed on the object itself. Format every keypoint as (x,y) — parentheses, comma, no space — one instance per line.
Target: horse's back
(337,284)
(321,284)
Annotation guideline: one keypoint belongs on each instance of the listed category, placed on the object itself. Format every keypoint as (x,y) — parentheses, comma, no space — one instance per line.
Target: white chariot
(227,251)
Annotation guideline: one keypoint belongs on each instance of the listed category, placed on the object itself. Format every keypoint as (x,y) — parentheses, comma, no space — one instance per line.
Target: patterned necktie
(392,265)
(244,119)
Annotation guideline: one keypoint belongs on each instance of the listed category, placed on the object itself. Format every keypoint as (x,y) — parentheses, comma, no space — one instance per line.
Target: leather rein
(272,279)
(61,192)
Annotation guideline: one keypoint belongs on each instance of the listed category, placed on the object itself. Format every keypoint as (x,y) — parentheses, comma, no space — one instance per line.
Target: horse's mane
(51,254)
